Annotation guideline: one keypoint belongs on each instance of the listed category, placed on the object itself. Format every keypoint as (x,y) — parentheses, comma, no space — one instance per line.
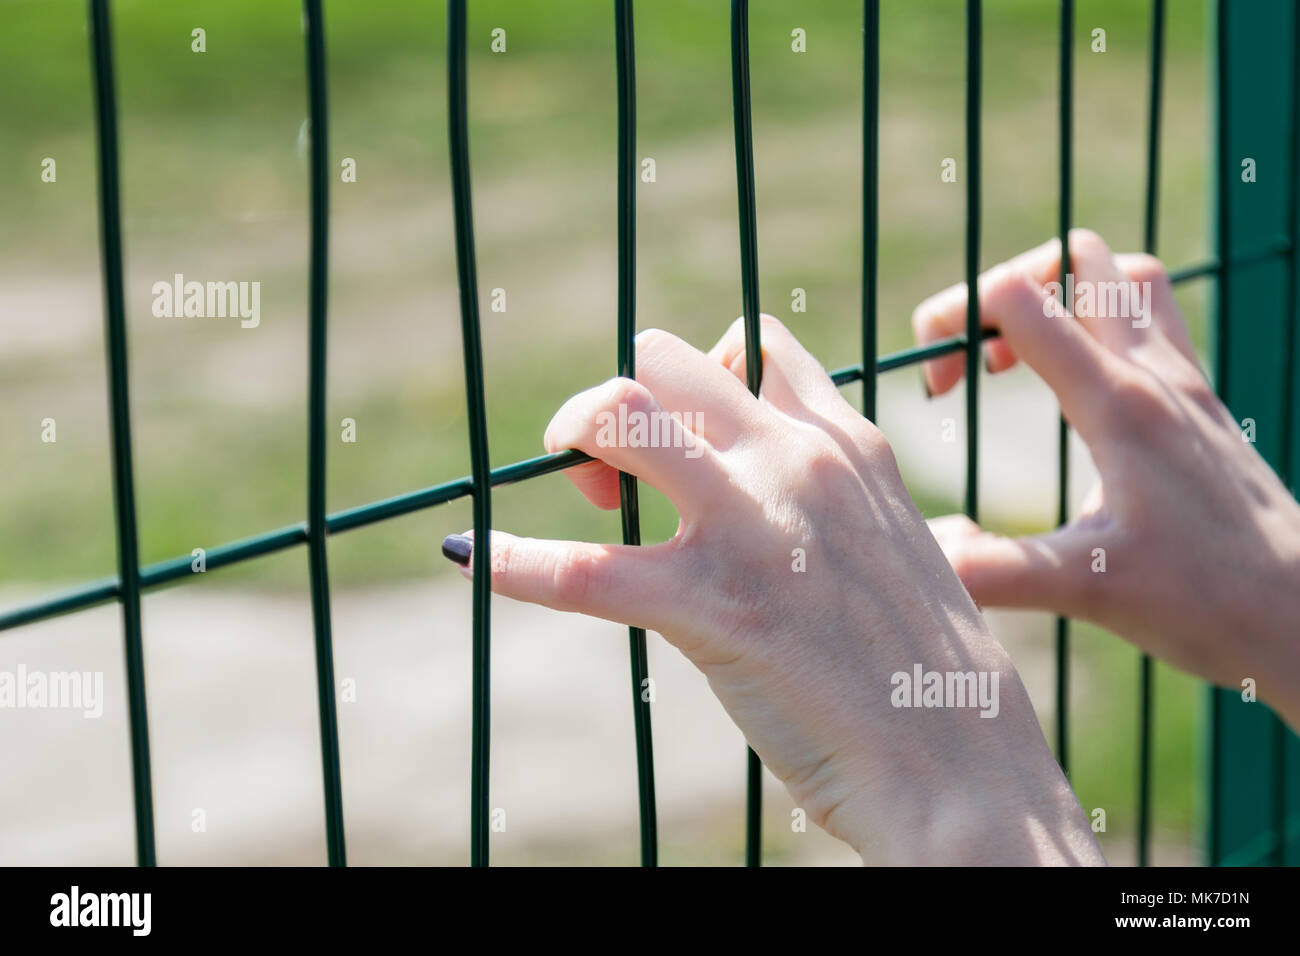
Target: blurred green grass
(214,186)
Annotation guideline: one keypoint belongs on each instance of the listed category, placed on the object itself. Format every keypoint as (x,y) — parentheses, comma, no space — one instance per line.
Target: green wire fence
(1233,836)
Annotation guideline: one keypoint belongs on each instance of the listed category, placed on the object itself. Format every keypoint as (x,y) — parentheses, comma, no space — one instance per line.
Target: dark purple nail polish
(458,548)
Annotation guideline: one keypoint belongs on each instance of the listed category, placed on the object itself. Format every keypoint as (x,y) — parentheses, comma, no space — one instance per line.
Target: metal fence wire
(1252,818)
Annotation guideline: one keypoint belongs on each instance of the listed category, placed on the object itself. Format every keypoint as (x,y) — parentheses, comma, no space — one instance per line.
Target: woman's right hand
(1198,539)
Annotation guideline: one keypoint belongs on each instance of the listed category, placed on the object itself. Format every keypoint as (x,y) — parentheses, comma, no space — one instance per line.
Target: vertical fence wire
(316,541)
(128,553)
(974,346)
(1146,688)
(480,468)
(1222,218)
(753,338)
(630,509)
(870,198)
(1063,429)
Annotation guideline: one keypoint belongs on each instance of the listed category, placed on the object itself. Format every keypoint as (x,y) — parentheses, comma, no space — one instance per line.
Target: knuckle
(573,576)
(921,319)
(823,464)
(820,458)
(1088,244)
(731,343)
(938,314)
(1005,286)
(926,317)
(503,560)
(625,391)
(873,444)
(1187,377)
(839,471)
(1198,390)
(1144,267)
(652,340)
(1134,399)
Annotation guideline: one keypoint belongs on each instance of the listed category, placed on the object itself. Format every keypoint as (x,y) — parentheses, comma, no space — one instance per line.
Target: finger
(623,425)
(998,356)
(598,483)
(793,379)
(1036,328)
(623,583)
(943,316)
(1158,295)
(1048,572)
(684,379)
(1103,297)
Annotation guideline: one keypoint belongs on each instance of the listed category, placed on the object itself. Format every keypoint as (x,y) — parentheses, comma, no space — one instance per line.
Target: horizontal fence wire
(314,22)
(1280,246)
(127,589)
(1146,688)
(741,117)
(629,506)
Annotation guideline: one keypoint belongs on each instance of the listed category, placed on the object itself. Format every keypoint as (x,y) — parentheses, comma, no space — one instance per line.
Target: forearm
(1020,812)
(1277,662)
(1263,627)
(946,786)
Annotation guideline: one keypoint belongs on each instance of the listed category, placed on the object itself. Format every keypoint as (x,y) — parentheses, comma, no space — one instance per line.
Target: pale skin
(1202,548)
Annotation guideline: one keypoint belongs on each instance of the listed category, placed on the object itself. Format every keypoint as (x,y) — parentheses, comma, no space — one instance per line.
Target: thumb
(1047,572)
(628,584)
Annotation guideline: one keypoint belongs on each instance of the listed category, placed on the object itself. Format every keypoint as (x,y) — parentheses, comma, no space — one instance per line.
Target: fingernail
(458,548)
(925,384)
(988,363)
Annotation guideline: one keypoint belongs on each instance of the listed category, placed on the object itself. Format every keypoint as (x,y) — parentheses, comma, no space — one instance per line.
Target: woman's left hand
(802,581)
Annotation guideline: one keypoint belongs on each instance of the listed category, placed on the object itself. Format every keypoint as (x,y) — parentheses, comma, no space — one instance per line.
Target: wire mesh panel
(1254,815)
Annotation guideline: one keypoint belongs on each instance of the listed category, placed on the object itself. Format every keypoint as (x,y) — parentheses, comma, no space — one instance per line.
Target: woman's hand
(801,580)
(1199,540)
